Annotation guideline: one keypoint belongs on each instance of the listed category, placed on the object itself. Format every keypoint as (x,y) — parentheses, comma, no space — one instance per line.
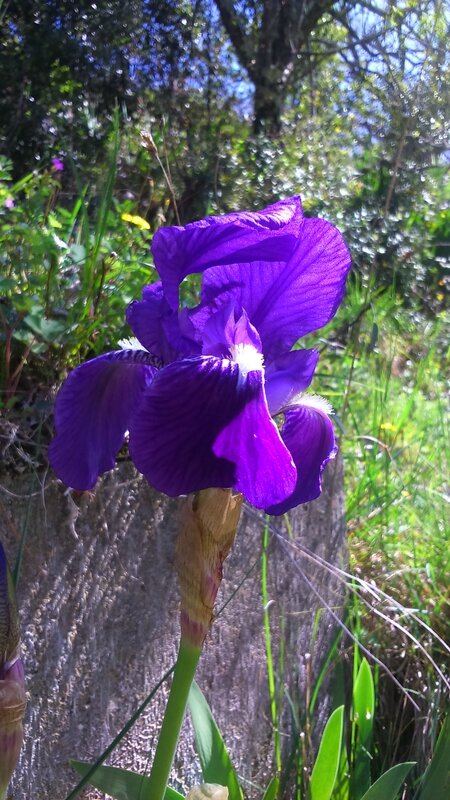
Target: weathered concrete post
(99,610)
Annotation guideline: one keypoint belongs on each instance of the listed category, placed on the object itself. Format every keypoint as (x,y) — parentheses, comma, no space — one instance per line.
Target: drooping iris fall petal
(93,411)
(187,435)
(309,435)
(264,466)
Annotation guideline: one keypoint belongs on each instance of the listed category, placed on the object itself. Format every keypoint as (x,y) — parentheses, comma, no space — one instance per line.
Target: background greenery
(240,104)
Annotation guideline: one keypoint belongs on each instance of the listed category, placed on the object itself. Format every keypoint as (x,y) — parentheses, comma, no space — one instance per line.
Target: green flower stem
(188,657)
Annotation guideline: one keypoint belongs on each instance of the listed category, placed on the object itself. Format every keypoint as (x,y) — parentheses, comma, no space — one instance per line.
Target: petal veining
(201,425)
(264,466)
(285,300)
(93,411)
(228,331)
(243,236)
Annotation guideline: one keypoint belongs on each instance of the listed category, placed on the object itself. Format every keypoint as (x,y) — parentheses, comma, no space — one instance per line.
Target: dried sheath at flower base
(208,528)
(12,679)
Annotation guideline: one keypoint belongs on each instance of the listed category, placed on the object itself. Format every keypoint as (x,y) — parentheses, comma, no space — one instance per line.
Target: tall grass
(388,386)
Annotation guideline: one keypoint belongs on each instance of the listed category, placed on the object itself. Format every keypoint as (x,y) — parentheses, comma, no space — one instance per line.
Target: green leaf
(325,769)
(122,784)
(388,786)
(435,784)
(364,702)
(363,710)
(6,284)
(46,329)
(214,759)
(341,789)
(272,790)
(77,253)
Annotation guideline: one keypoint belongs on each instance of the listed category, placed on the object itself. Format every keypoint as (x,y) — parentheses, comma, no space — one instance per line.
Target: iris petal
(308,433)
(244,236)
(93,411)
(285,299)
(148,318)
(187,434)
(264,466)
(227,328)
(287,376)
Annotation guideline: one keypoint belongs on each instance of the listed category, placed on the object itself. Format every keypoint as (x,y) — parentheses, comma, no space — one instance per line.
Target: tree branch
(235,28)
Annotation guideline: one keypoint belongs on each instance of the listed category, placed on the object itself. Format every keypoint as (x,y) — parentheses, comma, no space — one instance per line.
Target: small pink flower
(9,202)
(57,164)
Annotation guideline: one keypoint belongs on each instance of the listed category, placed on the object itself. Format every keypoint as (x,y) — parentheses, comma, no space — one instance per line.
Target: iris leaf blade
(122,784)
(271,790)
(363,711)
(214,759)
(435,784)
(389,784)
(324,774)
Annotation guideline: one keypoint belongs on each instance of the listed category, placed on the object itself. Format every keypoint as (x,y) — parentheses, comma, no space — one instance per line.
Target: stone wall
(99,610)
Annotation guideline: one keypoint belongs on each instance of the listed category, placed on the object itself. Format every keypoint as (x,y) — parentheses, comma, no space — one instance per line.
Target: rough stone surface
(99,610)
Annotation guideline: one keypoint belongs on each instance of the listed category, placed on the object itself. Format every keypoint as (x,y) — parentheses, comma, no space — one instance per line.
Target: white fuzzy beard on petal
(130,344)
(247,358)
(312,401)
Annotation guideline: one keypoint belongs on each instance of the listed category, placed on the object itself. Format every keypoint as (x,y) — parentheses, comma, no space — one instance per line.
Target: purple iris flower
(199,395)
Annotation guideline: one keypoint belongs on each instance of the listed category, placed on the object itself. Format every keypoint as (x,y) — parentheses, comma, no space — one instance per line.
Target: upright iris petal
(287,376)
(199,398)
(161,330)
(246,236)
(285,300)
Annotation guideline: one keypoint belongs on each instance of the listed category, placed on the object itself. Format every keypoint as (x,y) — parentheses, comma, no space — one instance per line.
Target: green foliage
(388,388)
(274,693)
(435,784)
(62,279)
(325,771)
(389,784)
(332,777)
(214,759)
(271,792)
(121,784)
(363,140)
(362,727)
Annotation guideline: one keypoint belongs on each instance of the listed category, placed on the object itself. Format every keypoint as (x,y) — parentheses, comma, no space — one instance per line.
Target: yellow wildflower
(135,219)
(388,426)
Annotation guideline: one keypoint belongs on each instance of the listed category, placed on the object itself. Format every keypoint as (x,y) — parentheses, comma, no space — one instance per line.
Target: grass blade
(269,655)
